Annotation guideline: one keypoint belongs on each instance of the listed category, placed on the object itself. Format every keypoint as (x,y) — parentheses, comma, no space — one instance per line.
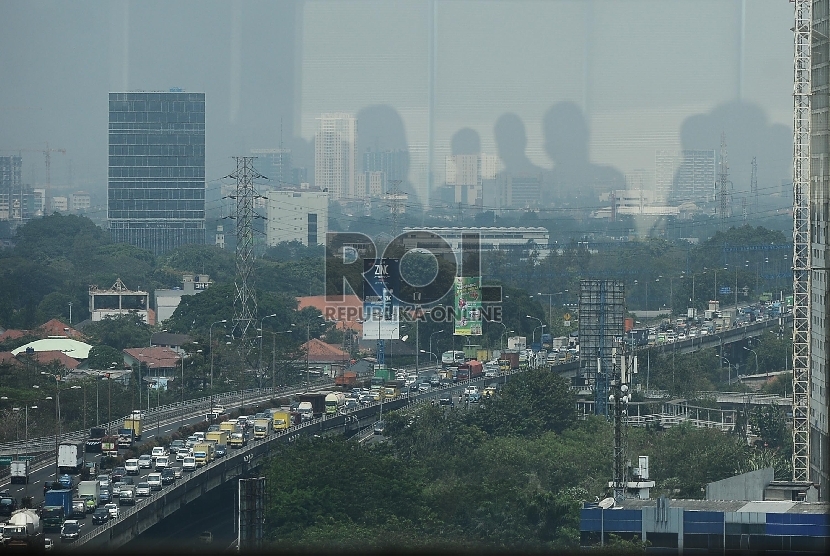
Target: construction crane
(47,153)
(801,237)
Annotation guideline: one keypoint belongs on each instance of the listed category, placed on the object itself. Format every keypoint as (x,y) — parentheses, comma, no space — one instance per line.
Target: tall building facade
(17,203)
(156,186)
(275,164)
(395,164)
(820,253)
(466,174)
(335,155)
(297,216)
(687,175)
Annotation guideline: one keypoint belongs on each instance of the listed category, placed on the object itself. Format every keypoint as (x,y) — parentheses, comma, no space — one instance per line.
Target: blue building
(156,184)
(703,526)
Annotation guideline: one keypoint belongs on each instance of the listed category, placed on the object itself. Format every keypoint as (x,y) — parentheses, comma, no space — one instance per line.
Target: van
(162,462)
(154,480)
(131,465)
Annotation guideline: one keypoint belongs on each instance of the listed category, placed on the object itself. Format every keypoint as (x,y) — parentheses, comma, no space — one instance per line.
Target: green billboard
(467,306)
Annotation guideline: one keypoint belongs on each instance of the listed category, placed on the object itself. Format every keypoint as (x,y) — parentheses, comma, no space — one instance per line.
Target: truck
(469,370)
(228,426)
(127,496)
(111,443)
(203,453)
(509,361)
(52,518)
(90,488)
(237,440)
(220,437)
(70,457)
(133,422)
(93,443)
(523,361)
(78,508)
(261,427)
(306,411)
(19,472)
(347,379)
(281,420)
(334,401)
(58,498)
(126,438)
(317,400)
(23,530)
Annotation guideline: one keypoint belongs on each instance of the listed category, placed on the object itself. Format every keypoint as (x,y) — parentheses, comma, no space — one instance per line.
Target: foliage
(119,332)
(101,357)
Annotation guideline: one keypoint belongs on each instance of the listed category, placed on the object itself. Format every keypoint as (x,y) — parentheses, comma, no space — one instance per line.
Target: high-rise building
(820,251)
(12,191)
(156,186)
(394,164)
(335,155)
(466,174)
(80,201)
(687,175)
(297,216)
(370,185)
(275,164)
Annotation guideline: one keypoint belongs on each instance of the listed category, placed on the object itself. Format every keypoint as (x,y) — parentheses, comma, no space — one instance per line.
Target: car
(176,445)
(90,502)
(103,480)
(154,480)
(445,399)
(189,464)
(116,489)
(100,516)
(71,530)
(379,427)
(435,380)
(104,496)
(177,471)
(48,544)
(66,481)
(158,451)
(424,387)
(145,461)
(220,451)
(142,489)
(112,508)
(117,474)
(131,465)
(191,441)
(351,404)
(181,454)
(213,428)
(168,476)
(162,462)
(200,436)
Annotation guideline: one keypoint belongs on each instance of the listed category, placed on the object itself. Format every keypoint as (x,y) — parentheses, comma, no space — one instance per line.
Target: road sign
(26,458)
(5,460)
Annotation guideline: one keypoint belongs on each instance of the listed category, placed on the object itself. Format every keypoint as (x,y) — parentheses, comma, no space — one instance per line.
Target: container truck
(220,437)
(203,453)
(334,402)
(261,427)
(509,361)
(23,530)
(111,443)
(237,440)
(19,472)
(317,400)
(470,370)
(126,438)
(93,443)
(59,498)
(228,426)
(70,457)
(134,422)
(90,488)
(348,379)
(78,508)
(281,420)
(52,518)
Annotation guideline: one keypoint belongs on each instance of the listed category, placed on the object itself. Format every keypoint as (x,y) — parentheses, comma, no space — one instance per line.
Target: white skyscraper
(335,155)
(297,216)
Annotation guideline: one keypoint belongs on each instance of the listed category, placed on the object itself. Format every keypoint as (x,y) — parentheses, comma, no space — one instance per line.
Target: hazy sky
(638,69)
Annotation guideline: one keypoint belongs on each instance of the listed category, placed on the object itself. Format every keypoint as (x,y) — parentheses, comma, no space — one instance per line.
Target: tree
(101,357)
(120,332)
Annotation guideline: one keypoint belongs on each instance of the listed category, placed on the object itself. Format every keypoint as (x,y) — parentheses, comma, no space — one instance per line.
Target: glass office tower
(156,185)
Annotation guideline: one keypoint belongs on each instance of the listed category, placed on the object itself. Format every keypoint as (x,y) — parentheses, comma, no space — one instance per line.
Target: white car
(200,436)
(142,489)
(183,453)
(158,451)
(113,510)
(162,462)
(131,465)
(145,461)
(189,464)
(154,480)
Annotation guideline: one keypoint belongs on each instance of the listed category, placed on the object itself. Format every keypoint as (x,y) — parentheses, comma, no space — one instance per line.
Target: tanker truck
(24,530)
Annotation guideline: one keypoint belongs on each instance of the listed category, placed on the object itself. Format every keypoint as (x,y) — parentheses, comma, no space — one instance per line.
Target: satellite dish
(607,503)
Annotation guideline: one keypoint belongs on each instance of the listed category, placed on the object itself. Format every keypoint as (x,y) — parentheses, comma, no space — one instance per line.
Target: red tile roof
(321,352)
(155,357)
(12,334)
(46,357)
(346,313)
(55,327)
(8,358)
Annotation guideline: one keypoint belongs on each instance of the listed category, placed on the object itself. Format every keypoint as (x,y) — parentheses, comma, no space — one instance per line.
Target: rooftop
(72,348)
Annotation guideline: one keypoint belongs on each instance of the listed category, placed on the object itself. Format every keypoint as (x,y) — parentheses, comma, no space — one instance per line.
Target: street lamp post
(210,340)
(429,352)
(430,343)
(261,334)
(76,387)
(542,326)
(57,418)
(757,370)
(729,369)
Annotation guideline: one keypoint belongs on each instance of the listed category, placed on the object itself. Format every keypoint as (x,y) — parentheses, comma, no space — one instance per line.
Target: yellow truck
(281,420)
(237,440)
(220,437)
(203,453)
(228,426)
(260,428)
(133,422)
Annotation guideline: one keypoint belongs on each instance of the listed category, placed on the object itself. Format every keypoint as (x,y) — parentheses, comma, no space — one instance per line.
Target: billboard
(467,306)
(381,306)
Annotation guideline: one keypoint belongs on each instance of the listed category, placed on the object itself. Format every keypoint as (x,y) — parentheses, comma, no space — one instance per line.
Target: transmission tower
(753,186)
(724,182)
(801,238)
(244,303)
